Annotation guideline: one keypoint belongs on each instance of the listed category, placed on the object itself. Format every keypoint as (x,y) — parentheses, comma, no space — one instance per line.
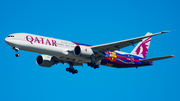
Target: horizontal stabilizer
(158,58)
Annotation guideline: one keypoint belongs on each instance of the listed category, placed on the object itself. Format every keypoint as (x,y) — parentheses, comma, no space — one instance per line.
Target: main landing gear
(71,69)
(74,71)
(93,64)
(16,49)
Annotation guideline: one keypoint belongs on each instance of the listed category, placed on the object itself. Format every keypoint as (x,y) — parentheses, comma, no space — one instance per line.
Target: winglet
(159,33)
(165,31)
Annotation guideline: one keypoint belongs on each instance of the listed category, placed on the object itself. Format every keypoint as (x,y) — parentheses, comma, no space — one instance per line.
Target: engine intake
(45,61)
(83,51)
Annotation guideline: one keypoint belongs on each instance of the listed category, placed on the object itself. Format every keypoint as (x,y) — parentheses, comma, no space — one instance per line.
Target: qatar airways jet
(76,54)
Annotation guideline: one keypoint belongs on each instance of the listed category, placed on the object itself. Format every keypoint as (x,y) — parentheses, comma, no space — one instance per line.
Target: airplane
(55,51)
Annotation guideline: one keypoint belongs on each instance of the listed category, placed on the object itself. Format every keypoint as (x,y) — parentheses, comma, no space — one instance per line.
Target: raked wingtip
(165,31)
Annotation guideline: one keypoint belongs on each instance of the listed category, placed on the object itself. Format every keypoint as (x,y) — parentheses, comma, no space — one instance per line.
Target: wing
(121,44)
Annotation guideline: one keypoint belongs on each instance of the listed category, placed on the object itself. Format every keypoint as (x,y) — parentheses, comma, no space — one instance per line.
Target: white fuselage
(75,54)
(45,45)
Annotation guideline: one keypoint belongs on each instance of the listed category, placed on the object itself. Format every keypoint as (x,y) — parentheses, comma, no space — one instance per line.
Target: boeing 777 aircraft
(76,54)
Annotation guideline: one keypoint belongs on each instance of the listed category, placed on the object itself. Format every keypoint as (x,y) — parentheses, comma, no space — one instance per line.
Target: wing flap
(157,58)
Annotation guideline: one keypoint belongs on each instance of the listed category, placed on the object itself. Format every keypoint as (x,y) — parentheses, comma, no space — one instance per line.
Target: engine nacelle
(83,51)
(45,61)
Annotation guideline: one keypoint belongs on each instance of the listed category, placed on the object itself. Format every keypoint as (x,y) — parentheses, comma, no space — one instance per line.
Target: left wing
(121,44)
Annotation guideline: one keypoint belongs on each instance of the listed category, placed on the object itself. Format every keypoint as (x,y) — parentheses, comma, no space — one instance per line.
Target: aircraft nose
(10,40)
(6,40)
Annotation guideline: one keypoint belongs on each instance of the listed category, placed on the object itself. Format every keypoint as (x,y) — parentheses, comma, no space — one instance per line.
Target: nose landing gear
(16,49)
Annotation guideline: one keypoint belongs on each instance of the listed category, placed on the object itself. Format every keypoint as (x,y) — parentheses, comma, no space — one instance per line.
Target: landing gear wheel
(17,55)
(67,69)
(71,70)
(74,71)
(97,66)
(94,65)
(88,64)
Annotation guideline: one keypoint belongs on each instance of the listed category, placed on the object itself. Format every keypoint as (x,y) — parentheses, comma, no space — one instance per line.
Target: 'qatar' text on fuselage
(40,40)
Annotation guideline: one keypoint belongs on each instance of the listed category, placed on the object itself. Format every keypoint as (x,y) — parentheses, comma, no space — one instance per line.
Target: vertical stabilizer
(142,48)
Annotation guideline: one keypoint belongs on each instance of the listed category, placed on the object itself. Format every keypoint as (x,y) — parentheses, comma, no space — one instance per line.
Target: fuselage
(60,49)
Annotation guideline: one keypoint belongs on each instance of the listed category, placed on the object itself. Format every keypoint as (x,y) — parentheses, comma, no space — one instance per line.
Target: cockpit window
(11,36)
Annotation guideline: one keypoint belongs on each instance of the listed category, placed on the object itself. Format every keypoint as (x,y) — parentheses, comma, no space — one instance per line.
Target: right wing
(121,44)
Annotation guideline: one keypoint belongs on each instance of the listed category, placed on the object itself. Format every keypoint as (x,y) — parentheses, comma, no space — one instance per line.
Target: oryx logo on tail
(142,48)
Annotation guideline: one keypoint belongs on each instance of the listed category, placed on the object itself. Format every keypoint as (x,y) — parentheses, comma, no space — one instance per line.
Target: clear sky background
(91,22)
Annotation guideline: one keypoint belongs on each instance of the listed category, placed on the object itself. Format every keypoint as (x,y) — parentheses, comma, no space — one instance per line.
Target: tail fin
(142,48)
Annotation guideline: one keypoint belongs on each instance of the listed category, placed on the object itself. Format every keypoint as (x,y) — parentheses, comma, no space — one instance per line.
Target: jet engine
(83,51)
(45,61)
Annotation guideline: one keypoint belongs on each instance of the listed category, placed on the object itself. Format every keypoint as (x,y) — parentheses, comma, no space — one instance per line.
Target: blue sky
(91,22)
